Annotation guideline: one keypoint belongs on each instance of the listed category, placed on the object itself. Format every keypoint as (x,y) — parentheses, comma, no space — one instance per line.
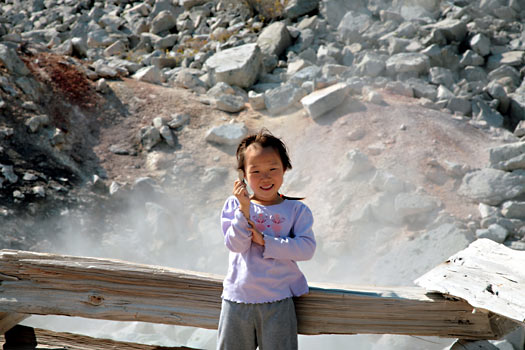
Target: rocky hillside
(405,122)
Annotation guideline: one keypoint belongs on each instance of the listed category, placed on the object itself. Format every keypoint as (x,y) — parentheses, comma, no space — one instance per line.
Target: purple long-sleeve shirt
(260,274)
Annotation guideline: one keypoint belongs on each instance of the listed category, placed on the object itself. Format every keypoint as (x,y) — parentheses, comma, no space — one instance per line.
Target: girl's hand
(241,193)
(257,236)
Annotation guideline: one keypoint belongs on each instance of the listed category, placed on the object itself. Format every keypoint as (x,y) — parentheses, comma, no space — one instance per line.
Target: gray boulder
(352,27)
(503,153)
(513,210)
(149,137)
(417,63)
(441,76)
(482,111)
(515,163)
(229,103)
(494,232)
(462,105)
(298,8)
(274,39)
(452,29)
(471,58)
(492,186)
(480,44)
(13,63)
(510,58)
(283,97)
(371,65)
(236,66)
(517,105)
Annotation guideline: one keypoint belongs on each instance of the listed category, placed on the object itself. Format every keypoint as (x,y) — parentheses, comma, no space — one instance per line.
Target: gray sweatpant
(271,326)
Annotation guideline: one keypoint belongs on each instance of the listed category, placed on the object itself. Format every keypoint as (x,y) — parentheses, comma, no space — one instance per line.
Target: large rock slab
(492,186)
(236,66)
(321,101)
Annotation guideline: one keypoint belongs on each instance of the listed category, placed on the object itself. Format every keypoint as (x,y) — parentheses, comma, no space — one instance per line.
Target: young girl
(266,234)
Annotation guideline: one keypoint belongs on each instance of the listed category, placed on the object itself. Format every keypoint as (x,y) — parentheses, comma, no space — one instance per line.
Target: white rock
(227,134)
(321,101)
(256,100)
(102,86)
(486,210)
(149,74)
(39,191)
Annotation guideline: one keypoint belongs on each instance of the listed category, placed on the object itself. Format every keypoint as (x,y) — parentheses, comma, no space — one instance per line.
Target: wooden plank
(60,340)
(10,319)
(48,284)
(487,275)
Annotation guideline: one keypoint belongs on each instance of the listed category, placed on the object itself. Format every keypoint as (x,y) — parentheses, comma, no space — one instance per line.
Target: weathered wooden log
(62,340)
(49,284)
(487,275)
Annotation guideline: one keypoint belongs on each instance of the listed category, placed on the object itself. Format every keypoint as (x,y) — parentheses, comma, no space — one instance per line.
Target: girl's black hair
(264,138)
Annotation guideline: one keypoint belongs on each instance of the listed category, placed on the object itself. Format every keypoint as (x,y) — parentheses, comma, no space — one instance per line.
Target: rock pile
(467,58)
(500,192)
(461,56)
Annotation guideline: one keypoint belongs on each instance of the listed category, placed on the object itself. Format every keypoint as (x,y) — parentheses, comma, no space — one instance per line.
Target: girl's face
(264,173)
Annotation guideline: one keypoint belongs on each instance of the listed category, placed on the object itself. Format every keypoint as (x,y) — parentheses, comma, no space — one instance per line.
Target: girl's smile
(264,173)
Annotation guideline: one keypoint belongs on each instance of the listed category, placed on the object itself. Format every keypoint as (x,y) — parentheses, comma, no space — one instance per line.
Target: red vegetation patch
(64,77)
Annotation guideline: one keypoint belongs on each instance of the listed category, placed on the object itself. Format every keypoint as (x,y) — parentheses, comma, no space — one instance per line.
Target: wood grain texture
(487,275)
(49,284)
